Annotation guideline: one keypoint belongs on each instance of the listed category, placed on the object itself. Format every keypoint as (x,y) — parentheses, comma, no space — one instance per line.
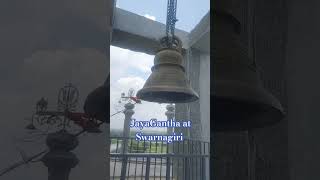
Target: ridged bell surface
(168,82)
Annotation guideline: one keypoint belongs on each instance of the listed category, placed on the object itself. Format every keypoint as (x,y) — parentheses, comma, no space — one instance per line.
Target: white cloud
(131,82)
(123,60)
(150,17)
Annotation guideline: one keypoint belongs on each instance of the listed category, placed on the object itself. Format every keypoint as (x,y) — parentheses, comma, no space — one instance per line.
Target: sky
(189,12)
(130,69)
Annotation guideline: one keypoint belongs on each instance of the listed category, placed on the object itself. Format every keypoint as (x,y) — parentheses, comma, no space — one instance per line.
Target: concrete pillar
(59,159)
(191,111)
(303,89)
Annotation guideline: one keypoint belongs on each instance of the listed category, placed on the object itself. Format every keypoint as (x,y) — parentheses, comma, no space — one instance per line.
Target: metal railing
(187,160)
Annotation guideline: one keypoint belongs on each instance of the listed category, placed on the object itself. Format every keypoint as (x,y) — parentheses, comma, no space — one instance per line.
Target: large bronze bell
(239,101)
(168,82)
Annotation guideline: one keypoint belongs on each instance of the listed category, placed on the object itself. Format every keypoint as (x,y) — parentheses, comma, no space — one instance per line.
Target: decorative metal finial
(130,97)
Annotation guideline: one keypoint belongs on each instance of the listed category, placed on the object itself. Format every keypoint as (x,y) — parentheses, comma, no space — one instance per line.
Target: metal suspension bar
(171,19)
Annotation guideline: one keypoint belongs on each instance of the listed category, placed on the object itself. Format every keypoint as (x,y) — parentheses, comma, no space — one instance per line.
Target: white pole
(128,112)
(170,115)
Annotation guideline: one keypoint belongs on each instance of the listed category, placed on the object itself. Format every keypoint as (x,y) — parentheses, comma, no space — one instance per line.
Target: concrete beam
(137,33)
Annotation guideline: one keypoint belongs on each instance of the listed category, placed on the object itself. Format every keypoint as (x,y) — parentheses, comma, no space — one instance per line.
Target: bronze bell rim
(246,92)
(192,95)
(251,97)
(249,124)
